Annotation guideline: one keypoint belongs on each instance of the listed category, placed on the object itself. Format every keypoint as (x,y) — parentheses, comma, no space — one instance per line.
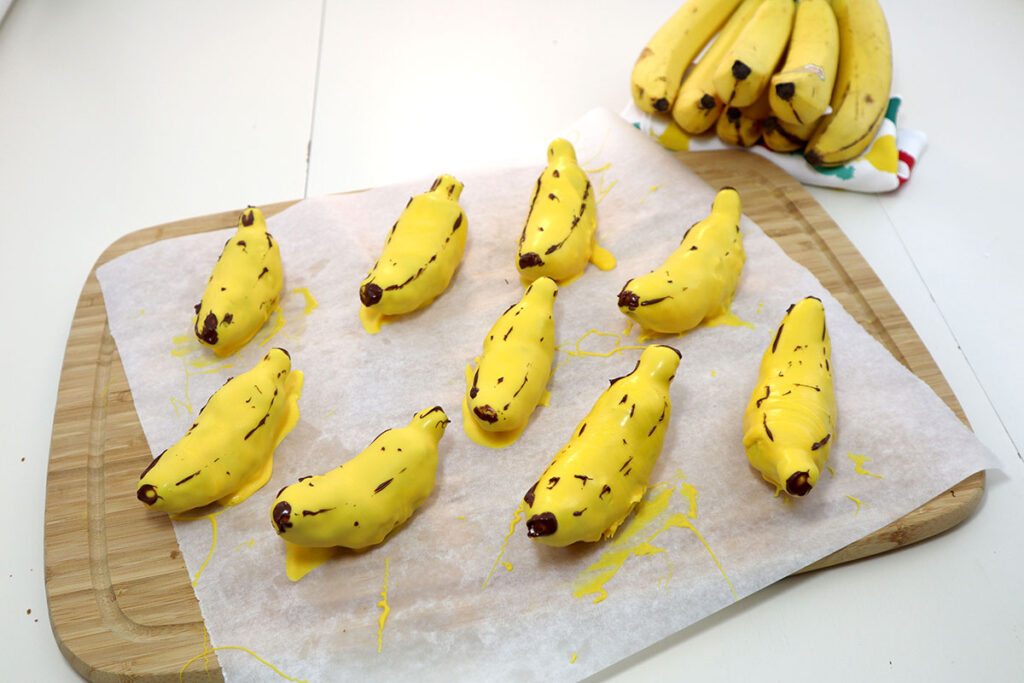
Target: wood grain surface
(120,599)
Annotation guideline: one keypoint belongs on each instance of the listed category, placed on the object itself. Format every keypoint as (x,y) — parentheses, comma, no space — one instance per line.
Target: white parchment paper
(525,623)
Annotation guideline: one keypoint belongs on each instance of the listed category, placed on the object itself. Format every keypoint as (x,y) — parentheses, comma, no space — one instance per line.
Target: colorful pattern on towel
(885,166)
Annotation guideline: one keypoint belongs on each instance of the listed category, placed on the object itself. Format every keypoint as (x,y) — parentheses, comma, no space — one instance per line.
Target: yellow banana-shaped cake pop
(559,237)
(790,422)
(243,289)
(227,454)
(600,475)
(509,379)
(698,280)
(358,504)
(420,255)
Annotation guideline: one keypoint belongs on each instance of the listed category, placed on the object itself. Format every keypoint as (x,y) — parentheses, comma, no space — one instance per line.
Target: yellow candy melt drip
(385,607)
(593,579)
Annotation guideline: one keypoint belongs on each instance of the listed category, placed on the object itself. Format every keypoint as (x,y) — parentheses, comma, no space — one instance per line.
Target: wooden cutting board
(120,599)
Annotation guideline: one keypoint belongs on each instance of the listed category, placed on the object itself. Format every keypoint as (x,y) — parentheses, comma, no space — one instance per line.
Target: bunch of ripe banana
(812,75)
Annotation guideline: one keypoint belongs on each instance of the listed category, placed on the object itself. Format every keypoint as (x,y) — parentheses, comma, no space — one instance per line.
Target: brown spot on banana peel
(814,158)
(707,102)
(740,71)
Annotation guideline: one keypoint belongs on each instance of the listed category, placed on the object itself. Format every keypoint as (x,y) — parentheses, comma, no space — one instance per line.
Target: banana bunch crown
(243,289)
(359,503)
(597,478)
(789,424)
(226,455)
(511,374)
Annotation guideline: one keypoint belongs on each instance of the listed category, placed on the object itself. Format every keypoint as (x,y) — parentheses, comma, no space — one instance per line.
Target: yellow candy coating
(420,255)
(511,374)
(359,503)
(227,454)
(243,289)
(698,281)
(600,475)
(559,237)
(790,422)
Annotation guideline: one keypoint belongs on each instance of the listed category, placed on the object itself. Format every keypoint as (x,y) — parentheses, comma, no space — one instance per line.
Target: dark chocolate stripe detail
(613,381)
(153,463)
(525,378)
(187,478)
(313,513)
(767,393)
(575,221)
(531,494)
(766,430)
(383,485)
(533,200)
(818,444)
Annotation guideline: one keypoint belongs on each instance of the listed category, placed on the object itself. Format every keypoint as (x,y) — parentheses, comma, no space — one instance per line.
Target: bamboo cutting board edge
(120,599)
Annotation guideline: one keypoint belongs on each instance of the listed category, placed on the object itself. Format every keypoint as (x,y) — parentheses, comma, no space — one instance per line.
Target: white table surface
(115,116)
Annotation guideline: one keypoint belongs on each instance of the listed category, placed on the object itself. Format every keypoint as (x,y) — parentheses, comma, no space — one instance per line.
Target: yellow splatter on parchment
(858,503)
(576,350)
(383,604)
(207,651)
(516,518)
(651,191)
(858,465)
(213,543)
(636,539)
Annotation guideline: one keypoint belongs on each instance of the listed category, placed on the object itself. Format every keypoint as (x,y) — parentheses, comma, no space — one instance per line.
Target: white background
(115,116)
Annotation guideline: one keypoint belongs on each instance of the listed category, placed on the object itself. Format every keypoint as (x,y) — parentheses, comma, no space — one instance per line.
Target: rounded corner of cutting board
(92,612)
